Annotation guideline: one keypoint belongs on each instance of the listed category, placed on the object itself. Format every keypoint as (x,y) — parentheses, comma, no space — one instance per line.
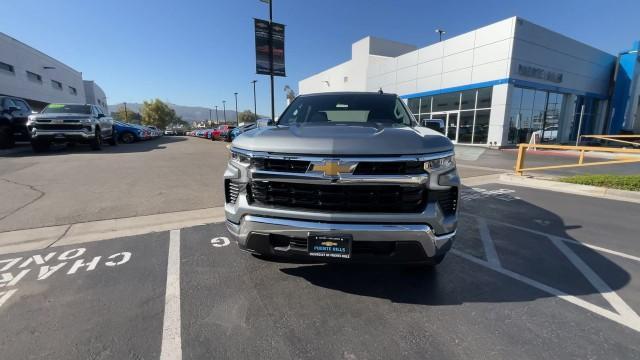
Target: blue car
(239,130)
(128,133)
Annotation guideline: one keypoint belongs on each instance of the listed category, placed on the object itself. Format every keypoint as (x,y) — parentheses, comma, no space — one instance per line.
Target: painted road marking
(480,193)
(631,323)
(599,248)
(171,338)
(611,296)
(40,267)
(487,243)
(220,241)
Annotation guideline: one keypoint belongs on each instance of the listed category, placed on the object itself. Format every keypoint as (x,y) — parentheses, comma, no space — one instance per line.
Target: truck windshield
(347,109)
(66,109)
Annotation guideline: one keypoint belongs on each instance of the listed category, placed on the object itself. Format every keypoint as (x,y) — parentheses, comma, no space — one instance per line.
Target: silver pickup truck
(344,177)
(71,123)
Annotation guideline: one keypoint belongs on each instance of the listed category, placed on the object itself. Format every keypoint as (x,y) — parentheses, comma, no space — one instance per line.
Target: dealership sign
(269,48)
(538,73)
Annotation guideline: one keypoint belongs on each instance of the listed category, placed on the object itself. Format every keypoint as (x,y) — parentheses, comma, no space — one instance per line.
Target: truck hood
(344,140)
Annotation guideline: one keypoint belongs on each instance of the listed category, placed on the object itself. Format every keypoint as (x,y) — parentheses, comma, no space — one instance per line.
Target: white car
(550,133)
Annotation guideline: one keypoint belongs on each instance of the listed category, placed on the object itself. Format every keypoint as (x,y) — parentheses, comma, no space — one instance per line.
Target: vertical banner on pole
(263,60)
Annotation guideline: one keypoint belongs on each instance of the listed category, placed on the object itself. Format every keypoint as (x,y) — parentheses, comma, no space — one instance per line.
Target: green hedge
(623,182)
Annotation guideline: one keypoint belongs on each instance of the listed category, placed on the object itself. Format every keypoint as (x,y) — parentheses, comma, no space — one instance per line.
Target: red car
(215,133)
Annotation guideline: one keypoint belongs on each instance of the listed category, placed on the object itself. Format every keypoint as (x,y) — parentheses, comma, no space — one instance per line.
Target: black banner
(264,65)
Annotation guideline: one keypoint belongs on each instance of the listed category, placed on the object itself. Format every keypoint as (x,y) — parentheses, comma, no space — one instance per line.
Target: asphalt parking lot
(533,274)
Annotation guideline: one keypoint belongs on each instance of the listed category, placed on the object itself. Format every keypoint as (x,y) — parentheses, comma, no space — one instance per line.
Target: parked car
(129,133)
(239,130)
(155,132)
(169,132)
(215,134)
(550,133)
(358,157)
(71,123)
(14,113)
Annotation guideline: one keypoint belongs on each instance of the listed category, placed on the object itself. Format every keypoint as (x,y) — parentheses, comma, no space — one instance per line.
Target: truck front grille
(280,165)
(390,168)
(61,127)
(344,198)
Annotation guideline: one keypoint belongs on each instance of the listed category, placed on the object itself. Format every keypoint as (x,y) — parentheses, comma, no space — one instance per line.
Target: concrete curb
(586,190)
(53,236)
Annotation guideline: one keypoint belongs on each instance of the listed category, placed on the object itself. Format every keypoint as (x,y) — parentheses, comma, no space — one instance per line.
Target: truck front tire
(96,142)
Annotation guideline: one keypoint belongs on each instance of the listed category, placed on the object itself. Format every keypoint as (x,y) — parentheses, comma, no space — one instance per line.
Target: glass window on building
(465,129)
(538,113)
(458,111)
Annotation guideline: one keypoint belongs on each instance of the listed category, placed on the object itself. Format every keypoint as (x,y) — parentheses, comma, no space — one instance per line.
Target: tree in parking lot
(157,113)
(131,116)
(247,116)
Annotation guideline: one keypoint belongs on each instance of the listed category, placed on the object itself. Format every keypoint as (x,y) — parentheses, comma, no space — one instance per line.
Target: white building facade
(498,85)
(38,78)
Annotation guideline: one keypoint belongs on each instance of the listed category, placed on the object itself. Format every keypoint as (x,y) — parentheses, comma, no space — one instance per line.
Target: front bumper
(62,135)
(400,243)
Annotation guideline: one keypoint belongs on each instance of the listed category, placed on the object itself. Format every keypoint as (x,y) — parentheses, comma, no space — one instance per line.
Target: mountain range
(187,113)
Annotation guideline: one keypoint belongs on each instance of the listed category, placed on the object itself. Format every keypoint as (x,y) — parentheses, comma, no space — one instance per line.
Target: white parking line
(607,293)
(599,248)
(631,323)
(487,242)
(171,338)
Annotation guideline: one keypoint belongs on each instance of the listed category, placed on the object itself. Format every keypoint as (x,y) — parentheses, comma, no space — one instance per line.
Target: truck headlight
(240,158)
(441,164)
(85,121)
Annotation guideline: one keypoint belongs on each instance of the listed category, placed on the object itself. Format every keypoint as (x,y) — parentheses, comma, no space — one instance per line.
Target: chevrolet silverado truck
(71,123)
(347,177)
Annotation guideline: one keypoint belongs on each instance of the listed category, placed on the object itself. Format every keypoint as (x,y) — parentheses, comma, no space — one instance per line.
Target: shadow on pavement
(458,280)
(23,150)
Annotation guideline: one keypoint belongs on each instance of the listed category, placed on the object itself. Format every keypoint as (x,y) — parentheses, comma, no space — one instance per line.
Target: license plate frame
(335,246)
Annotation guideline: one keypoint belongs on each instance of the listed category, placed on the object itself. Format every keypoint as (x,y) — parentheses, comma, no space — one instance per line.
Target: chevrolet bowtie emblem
(333,167)
(328,243)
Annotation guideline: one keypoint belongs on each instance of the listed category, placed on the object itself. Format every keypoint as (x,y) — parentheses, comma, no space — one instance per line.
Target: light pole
(224,109)
(209,117)
(440,32)
(255,111)
(273,107)
(217,121)
(125,113)
(237,119)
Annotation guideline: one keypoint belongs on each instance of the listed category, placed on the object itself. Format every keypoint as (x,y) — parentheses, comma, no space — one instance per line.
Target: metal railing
(519,168)
(623,139)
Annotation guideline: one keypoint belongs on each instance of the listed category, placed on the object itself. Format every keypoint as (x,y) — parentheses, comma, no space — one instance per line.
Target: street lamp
(217,121)
(273,106)
(237,119)
(440,32)
(224,109)
(255,111)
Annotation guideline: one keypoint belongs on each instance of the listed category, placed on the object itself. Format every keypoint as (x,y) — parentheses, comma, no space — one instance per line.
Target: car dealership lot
(533,274)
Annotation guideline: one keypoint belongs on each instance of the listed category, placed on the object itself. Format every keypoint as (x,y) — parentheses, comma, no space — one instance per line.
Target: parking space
(67,186)
(527,278)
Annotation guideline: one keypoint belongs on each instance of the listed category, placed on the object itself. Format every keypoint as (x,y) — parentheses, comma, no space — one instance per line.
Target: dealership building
(499,85)
(40,79)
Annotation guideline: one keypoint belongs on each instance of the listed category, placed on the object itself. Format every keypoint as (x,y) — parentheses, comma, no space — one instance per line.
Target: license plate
(330,245)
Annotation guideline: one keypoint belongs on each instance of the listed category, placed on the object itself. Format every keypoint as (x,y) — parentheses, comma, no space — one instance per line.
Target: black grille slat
(362,198)
(231,191)
(76,126)
(280,165)
(389,168)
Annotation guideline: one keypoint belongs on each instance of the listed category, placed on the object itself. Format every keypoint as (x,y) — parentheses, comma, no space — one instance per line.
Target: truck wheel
(96,142)
(113,141)
(39,145)
(6,137)
(127,138)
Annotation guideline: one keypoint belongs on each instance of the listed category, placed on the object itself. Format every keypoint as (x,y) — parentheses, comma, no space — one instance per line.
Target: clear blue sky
(198,52)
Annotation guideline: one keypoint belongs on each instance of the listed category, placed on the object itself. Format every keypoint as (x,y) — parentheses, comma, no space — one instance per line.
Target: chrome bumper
(431,244)
(84,134)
